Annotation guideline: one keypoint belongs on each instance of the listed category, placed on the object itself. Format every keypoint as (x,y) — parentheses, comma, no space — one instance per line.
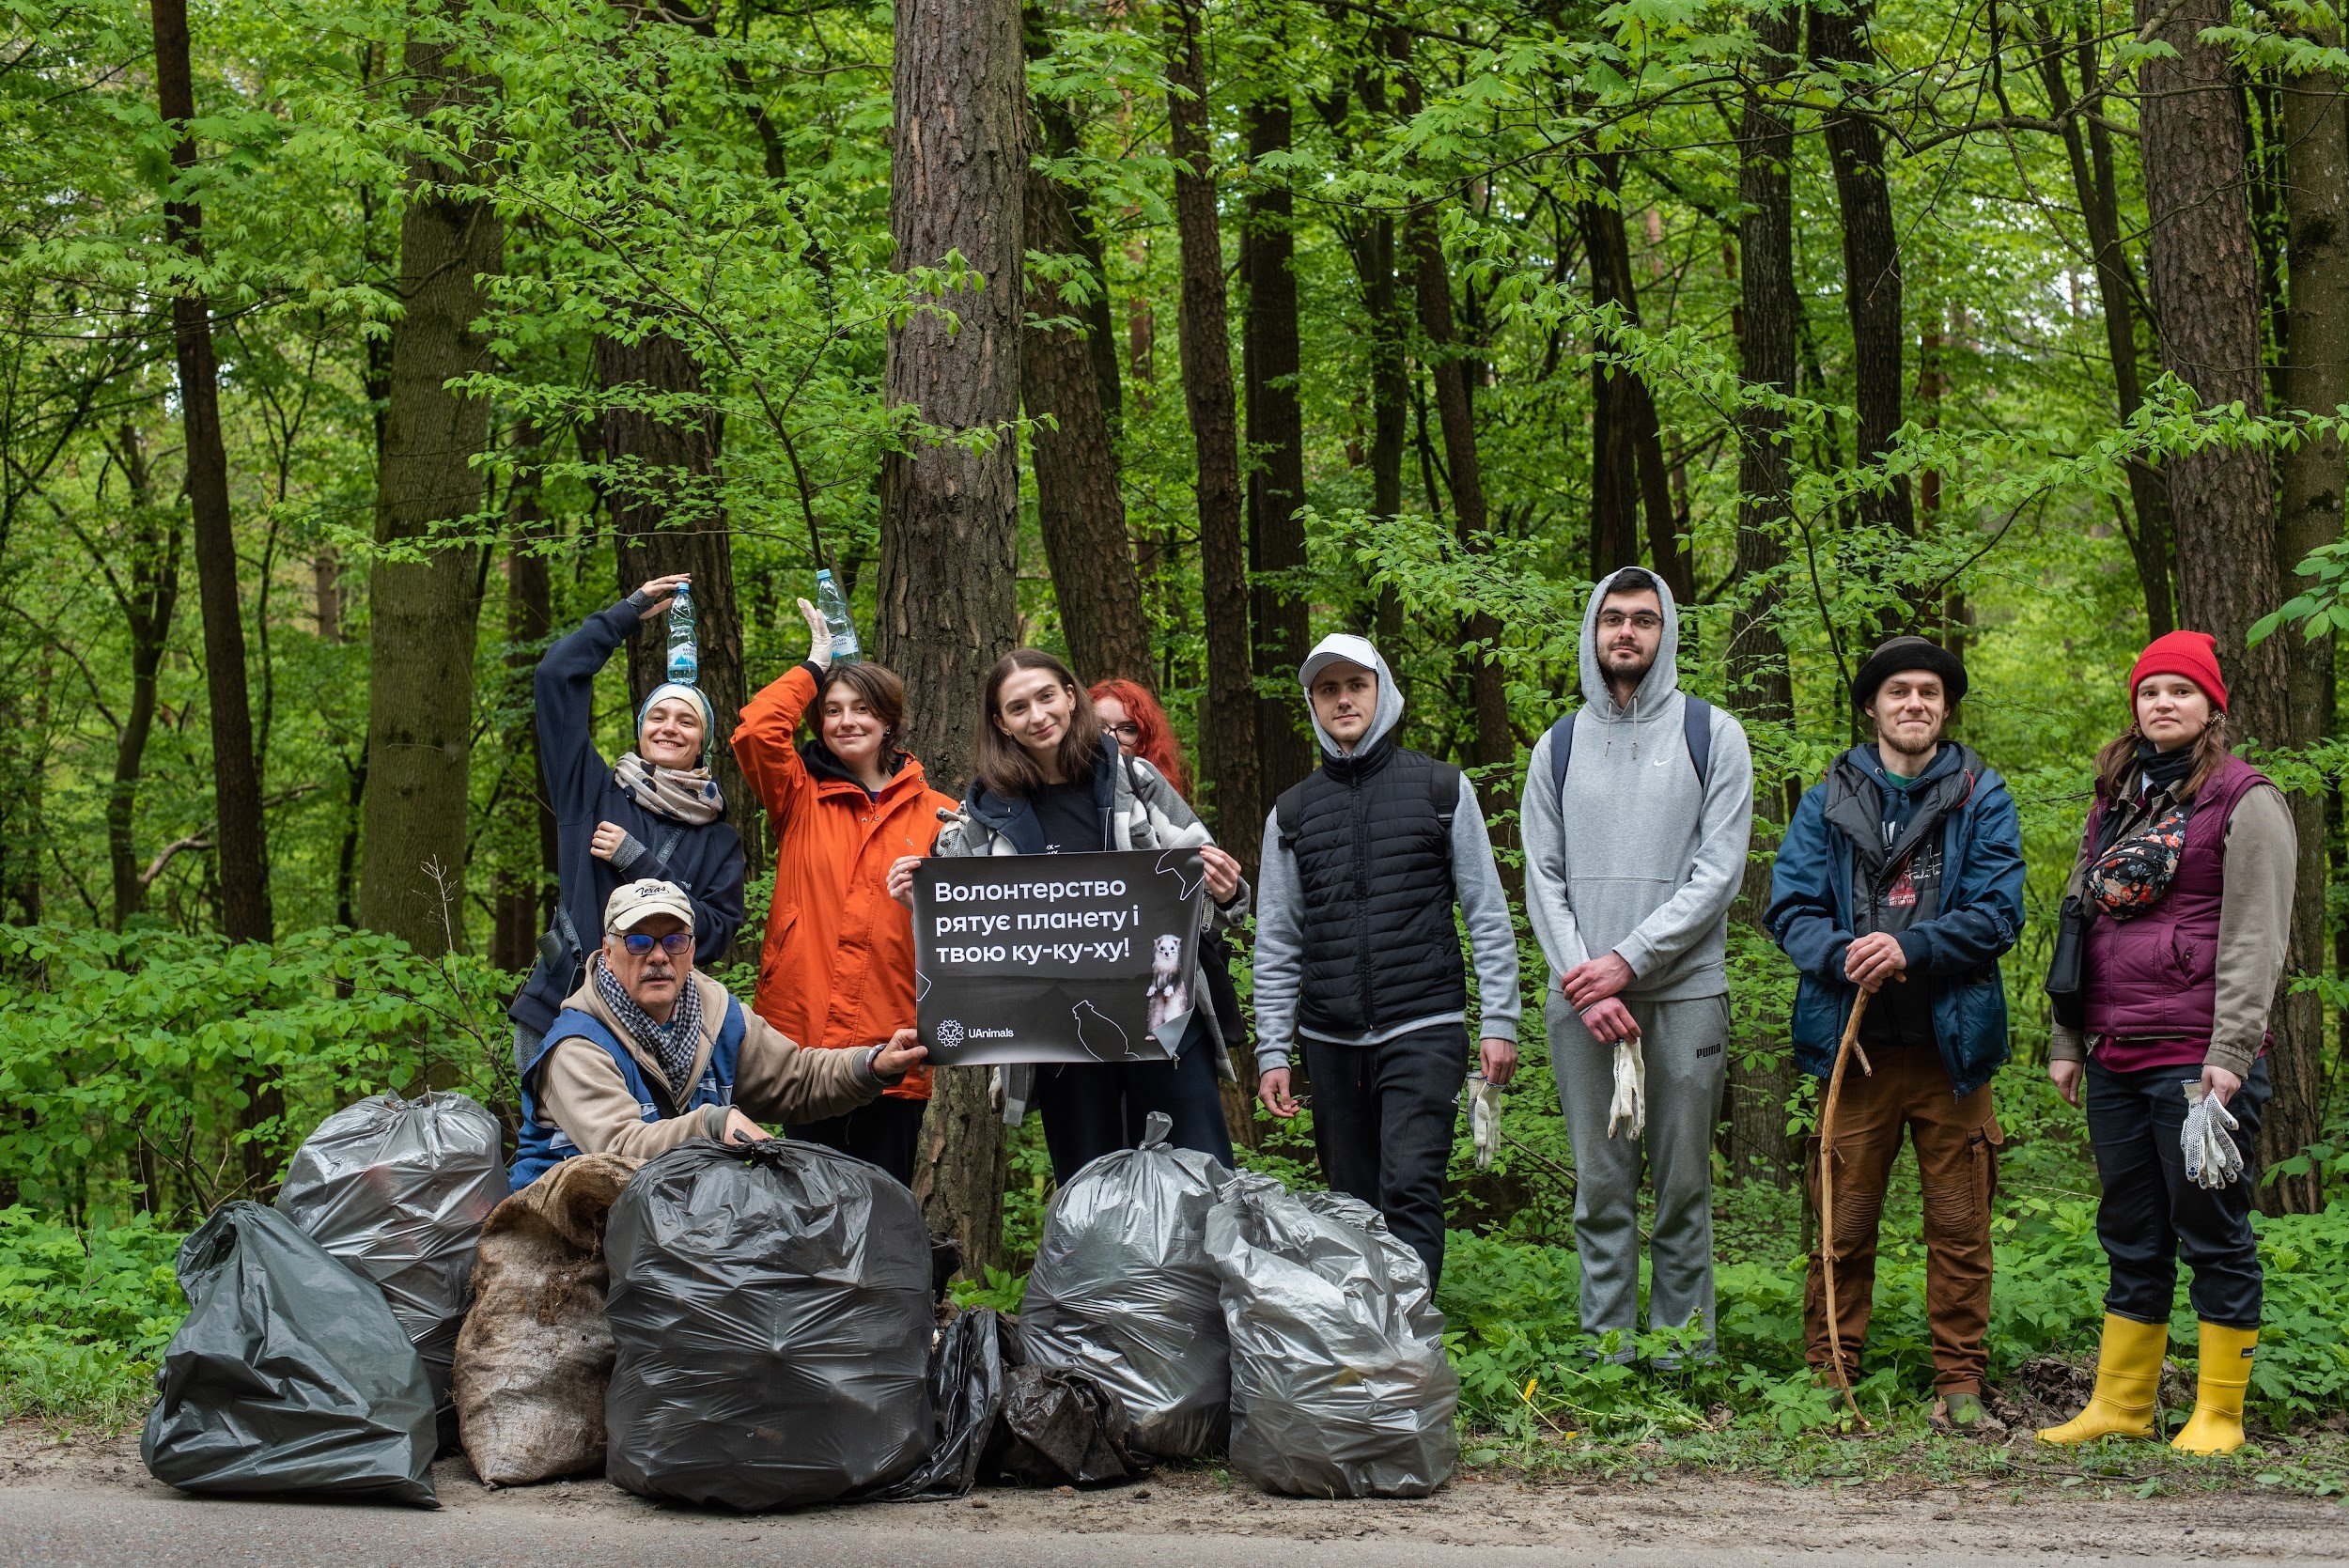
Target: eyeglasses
(677,944)
(1127,731)
(1614,620)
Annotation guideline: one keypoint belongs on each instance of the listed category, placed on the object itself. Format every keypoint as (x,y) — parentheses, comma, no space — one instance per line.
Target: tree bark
(148,600)
(241,852)
(950,515)
(2095,183)
(1872,263)
(1761,684)
(1270,362)
(1628,475)
(1080,509)
(1203,338)
(2317,208)
(524,902)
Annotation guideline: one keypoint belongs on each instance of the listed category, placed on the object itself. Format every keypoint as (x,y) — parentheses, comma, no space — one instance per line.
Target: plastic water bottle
(684,661)
(843,644)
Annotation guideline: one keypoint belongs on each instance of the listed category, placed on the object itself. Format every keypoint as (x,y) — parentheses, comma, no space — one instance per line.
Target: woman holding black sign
(1048,781)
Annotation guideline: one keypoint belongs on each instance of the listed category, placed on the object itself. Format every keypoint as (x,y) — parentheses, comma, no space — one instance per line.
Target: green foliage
(84,1316)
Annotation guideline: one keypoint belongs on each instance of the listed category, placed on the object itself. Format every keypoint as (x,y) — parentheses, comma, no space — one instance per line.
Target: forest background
(350,354)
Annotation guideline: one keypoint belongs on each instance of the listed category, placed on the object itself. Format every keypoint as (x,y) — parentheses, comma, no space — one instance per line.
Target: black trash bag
(770,1305)
(1340,1384)
(1122,1289)
(398,1190)
(1061,1427)
(290,1374)
(967,1392)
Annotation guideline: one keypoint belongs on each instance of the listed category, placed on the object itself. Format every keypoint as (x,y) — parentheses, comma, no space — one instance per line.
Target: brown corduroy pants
(1957,1160)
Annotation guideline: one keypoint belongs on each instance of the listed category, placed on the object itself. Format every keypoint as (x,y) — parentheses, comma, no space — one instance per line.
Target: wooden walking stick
(1845,1051)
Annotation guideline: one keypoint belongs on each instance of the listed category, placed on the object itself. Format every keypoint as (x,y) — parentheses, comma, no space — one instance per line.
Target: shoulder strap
(1561,750)
(668,848)
(1443,790)
(1290,813)
(1696,728)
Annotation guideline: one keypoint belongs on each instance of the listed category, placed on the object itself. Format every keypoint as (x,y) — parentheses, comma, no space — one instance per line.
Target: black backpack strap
(1560,751)
(1290,810)
(1696,728)
(1443,791)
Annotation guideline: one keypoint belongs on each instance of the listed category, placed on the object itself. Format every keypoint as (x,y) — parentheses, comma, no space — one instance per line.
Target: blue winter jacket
(704,859)
(1957,950)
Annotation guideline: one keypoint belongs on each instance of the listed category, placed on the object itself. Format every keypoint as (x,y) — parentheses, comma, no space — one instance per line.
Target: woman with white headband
(656,814)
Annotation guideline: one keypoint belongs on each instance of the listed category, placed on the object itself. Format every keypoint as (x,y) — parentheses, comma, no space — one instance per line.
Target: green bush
(84,1315)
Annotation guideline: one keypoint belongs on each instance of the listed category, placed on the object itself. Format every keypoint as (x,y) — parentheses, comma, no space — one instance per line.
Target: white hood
(1663,676)
(1357,650)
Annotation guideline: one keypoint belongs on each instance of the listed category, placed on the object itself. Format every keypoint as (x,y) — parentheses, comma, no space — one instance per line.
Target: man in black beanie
(1901,876)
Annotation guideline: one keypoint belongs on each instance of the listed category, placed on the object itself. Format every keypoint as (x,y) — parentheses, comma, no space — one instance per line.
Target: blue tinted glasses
(676,943)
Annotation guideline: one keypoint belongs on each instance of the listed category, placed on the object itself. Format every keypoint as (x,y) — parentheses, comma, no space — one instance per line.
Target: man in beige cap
(647,1054)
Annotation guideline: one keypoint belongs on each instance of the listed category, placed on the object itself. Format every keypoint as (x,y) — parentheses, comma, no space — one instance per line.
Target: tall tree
(1627,477)
(1269,366)
(523,902)
(240,849)
(1761,680)
(147,590)
(424,590)
(1872,259)
(950,507)
(1079,504)
(2316,122)
(1204,339)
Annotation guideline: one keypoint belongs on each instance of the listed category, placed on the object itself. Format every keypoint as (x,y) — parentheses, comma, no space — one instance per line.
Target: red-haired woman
(1047,781)
(2182,899)
(1131,715)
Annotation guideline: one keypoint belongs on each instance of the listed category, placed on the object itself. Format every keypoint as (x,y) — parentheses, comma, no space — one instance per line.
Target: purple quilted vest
(2157,975)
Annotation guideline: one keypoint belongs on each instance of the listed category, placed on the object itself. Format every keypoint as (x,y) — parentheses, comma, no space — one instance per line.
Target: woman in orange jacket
(837,967)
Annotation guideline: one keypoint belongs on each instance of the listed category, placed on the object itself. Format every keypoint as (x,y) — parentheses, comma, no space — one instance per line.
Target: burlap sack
(535,1354)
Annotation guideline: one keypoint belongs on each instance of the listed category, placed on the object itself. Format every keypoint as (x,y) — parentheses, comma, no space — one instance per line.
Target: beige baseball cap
(633,903)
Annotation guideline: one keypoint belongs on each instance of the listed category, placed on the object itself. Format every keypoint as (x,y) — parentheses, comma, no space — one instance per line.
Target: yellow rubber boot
(2128,1380)
(2217,1425)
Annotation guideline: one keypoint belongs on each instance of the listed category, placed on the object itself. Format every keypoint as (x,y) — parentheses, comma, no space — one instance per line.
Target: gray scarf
(675,1044)
(687,794)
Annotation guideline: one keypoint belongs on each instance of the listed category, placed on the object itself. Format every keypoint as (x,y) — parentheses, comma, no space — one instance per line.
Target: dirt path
(90,1500)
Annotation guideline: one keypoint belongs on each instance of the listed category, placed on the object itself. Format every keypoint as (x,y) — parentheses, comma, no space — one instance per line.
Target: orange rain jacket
(837,965)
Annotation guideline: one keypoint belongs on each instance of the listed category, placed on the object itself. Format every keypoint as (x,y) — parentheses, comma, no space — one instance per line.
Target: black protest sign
(1056,957)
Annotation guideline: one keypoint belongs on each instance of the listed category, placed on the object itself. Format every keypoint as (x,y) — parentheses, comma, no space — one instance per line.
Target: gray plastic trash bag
(967,1394)
(1340,1385)
(398,1190)
(290,1374)
(1122,1289)
(772,1309)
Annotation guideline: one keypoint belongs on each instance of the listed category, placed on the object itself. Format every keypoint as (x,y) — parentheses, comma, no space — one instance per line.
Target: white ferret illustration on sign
(1170,988)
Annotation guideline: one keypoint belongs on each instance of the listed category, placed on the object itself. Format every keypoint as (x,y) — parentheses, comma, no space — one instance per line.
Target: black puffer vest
(1373,839)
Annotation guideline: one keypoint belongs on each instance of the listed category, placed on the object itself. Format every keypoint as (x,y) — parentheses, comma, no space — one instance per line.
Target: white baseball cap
(634,903)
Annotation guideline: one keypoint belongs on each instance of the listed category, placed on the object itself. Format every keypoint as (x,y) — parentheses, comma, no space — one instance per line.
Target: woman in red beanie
(2175,925)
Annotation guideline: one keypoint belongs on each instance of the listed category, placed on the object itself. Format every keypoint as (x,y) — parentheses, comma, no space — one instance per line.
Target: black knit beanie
(1896,653)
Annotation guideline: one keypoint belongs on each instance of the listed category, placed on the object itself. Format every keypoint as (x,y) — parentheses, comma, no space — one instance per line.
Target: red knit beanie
(2191,654)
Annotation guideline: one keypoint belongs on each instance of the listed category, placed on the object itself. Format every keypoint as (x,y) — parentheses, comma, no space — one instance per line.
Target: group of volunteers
(1895,890)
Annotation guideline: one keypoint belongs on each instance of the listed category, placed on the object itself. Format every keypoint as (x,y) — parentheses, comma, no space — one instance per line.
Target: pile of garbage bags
(399,1189)
(771,1307)
(290,1374)
(1122,1289)
(1340,1384)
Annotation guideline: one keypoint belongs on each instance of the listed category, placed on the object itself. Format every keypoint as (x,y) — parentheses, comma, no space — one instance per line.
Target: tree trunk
(1081,510)
(1872,263)
(2204,270)
(2317,206)
(950,515)
(241,852)
(1628,475)
(668,514)
(424,614)
(1228,735)
(1761,684)
(2095,184)
(1372,248)
(1276,441)
(524,902)
(149,600)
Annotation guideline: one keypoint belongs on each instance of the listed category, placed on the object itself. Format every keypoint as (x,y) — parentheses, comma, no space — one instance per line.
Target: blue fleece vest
(542,1144)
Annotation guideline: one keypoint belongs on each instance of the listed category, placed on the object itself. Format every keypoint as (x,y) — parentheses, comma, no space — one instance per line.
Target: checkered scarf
(674,1044)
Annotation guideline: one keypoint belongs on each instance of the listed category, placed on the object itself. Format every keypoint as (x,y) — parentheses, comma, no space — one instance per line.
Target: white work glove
(2211,1160)
(1484,1108)
(818,636)
(1630,1102)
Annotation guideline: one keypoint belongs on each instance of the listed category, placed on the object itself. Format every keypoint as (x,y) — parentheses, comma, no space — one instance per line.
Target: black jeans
(1091,1109)
(887,1132)
(1383,1120)
(2150,1213)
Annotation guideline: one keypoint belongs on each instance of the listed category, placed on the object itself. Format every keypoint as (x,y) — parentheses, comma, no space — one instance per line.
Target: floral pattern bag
(2131,875)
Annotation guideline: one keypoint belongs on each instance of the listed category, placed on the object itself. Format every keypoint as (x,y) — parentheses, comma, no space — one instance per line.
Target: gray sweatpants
(1683,1045)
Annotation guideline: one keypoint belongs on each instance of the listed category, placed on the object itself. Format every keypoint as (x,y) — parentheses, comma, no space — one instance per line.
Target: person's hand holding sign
(905,1050)
(901,880)
(1223,872)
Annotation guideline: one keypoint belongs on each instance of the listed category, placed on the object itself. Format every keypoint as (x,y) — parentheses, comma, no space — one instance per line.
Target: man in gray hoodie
(1357,954)
(1637,812)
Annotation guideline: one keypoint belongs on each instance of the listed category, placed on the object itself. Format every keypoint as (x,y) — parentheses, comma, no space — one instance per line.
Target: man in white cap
(647,1055)
(1357,960)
